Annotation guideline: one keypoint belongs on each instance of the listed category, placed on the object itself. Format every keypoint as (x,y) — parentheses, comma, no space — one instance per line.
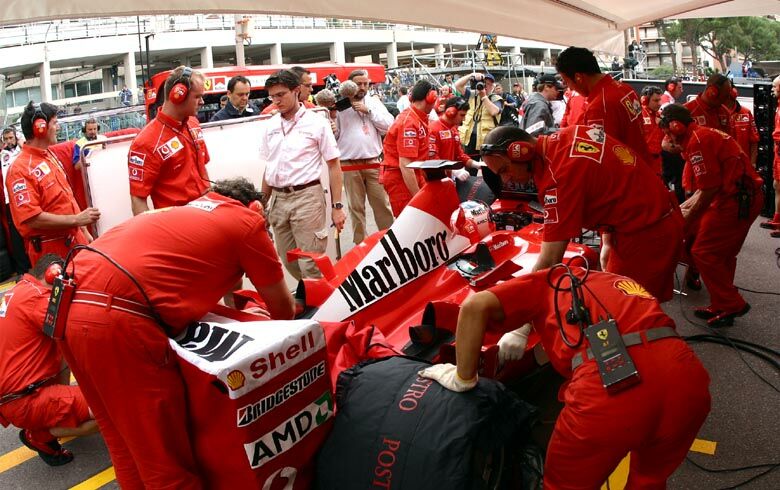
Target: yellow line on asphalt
(97,481)
(18,456)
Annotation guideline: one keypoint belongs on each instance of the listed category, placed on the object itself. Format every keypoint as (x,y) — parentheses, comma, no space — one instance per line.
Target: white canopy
(592,23)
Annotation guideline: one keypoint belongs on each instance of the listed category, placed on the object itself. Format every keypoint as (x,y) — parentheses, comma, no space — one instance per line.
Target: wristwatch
(337,205)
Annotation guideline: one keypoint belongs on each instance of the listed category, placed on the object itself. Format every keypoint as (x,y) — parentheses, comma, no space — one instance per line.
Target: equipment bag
(396,430)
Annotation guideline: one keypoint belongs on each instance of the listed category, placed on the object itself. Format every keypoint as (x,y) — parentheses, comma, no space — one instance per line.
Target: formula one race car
(406,283)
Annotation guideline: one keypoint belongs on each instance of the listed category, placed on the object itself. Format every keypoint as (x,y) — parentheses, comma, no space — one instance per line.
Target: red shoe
(50,451)
(770,225)
(727,319)
(706,313)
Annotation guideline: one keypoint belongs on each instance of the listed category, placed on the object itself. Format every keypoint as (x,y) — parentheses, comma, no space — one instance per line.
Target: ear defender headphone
(55,269)
(677,128)
(431,97)
(458,105)
(256,206)
(516,151)
(181,89)
(40,125)
(734,93)
(671,86)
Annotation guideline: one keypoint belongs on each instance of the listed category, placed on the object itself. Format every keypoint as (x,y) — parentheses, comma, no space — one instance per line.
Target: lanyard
(295,123)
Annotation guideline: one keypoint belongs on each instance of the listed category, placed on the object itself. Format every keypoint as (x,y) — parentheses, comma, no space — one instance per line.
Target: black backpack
(394,430)
(509,117)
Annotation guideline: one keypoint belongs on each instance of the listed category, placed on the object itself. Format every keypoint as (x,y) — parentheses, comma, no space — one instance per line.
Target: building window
(95,87)
(70,90)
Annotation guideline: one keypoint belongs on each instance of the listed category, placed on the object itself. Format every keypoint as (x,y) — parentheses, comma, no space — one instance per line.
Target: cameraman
(484,109)
(537,111)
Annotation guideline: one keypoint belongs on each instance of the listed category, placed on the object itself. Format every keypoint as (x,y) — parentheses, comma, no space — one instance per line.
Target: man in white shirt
(360,130)
(403,102)
(294,143)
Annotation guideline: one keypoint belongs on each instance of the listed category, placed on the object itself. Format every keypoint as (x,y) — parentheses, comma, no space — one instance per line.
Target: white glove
(511,345)
(447,376)
(460,174)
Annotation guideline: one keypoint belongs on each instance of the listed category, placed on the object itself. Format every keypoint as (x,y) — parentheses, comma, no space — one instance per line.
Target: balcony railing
(70,29)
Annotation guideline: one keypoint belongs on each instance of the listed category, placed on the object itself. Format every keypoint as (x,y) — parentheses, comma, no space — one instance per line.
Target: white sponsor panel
(245,355)
(416,244)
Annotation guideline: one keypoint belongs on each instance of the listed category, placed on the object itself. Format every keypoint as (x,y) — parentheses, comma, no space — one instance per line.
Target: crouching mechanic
(587,179)
(129,300)
(726,199)
(655,420)
(35,390)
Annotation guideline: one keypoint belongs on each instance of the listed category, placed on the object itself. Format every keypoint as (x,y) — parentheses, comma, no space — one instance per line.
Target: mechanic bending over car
(587,179)
(146,292)
(35,391)
(651,403)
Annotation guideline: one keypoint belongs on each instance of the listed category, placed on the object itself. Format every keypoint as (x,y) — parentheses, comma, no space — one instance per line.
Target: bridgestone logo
(399,266)
(251,413)
(289,432)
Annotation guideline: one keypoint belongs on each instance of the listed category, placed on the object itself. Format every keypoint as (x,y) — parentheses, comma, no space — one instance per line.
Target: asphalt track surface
(742,428)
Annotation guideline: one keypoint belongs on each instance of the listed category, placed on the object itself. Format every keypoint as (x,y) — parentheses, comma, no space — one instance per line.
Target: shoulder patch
(41,170)
(170,148)
(204,204)
(632,288)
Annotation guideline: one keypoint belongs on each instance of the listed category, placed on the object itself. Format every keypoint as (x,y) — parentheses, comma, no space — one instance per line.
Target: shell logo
(235,380)
(624,155)
(632,288)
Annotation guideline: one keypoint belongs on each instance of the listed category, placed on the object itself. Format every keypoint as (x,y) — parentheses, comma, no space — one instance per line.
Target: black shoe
(775,234)
(51,452)
(693,282)
(706,313)
(727,319)
(770,225)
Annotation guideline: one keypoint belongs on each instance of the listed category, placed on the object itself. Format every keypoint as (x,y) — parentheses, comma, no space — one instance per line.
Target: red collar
(36,151)
(420,114)
(601,84)
(169,121)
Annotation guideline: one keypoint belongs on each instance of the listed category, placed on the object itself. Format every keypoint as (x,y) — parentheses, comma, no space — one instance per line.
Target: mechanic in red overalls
(655,420)
(707,108)
(726,200)
(161,271)
(611,105)
(742,127)
(587,179)
(406,142)
(651,102)
(774,223)
(35,390)
(444,137)
(42,204)
(167,160)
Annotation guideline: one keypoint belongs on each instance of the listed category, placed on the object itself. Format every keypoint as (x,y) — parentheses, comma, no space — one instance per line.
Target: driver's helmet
(473,220)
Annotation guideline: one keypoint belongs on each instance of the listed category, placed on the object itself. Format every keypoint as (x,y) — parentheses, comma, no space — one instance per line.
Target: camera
(476,84)
(332,83)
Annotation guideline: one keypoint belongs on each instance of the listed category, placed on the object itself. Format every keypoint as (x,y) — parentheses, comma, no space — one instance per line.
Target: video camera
(346,91)
(332,83)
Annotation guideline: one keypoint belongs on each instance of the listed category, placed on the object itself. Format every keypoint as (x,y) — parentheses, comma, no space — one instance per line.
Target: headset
(677,128)
(458,104)
(516,151)
(256,206)
(431,97)
(40,123)
(55,269)
(181,89)
(713,91)
(671,86)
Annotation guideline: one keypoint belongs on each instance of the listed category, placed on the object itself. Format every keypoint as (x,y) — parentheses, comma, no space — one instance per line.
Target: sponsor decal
(701,120)
(22,198)
(583,147)
(196,133)
(499,245)
(647,121)
(207,84)
(596,123)
(400,265)
(170,148)
(410,133)
(624,155)
(212,342)
(550,215)
(696,158)
(421,132)
(252,413)
(596,134)
(446,134)
(410,143)
(632,288)
(385,460)
(288,474)
(136,158)
(632,105)
(220,83)
(537,126)
(602,334)
(4,303)
(550,197)
(136,174)
(271,363)
(41,171)
(410,401)
(290,432)
(204,204)
(18,186)
(235,380)
(699,170)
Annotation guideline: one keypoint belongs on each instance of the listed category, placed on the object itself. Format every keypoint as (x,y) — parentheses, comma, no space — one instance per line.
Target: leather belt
(632,338)
(293,188)
(109,301)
